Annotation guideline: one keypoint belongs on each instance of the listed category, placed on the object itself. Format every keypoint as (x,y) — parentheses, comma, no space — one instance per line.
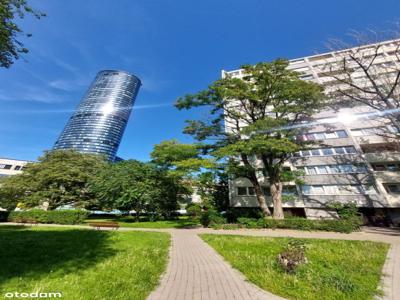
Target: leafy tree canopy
(11,46)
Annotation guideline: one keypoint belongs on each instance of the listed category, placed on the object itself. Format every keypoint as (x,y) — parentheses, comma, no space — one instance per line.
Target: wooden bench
(99,225)
(28,222)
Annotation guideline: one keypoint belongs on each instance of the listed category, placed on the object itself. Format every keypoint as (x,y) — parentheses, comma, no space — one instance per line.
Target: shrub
(48,217)
(194,210)
(211,217)
(292,256)
(345,226)
(345,211)
(233,214)
(249,223)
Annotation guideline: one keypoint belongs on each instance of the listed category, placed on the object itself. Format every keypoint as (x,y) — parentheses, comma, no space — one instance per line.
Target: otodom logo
(11,295)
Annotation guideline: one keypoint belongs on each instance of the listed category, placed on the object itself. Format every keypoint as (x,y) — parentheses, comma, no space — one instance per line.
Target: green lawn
(336,269)
(81,264)
(182,222)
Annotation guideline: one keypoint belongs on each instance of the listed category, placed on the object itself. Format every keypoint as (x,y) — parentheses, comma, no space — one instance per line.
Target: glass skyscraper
(99,122)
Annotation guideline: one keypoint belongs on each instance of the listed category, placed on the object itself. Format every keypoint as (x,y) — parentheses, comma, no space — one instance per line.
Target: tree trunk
(276,194)
(261,198)
(262,202)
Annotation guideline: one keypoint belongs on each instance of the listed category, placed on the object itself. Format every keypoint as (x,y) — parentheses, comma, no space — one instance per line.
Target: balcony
(382,157)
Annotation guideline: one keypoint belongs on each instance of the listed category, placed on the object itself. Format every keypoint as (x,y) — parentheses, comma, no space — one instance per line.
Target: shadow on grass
(35,253)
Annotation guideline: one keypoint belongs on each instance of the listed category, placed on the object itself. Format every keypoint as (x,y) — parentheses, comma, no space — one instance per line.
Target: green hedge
(49,217)
(343,225)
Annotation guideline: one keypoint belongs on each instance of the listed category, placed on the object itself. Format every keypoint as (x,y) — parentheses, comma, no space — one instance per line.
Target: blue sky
(175,47)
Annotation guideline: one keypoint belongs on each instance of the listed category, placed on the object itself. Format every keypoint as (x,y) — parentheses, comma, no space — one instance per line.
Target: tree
(188,166)
(255,116)
(134,185)
(59,177)
(11,47)
(362,75)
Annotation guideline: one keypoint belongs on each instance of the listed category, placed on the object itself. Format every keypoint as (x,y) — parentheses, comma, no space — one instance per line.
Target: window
(392,188)
(327,151)
(17,168)
(250,191)
(242,191)
(6,167)
(340,151)
(330,135)
(340,189)
(350,149)
(392,167)
(341,134)
(322,169)
(315,152)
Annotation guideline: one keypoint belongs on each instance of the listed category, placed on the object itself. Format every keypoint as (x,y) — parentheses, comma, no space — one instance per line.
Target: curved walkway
(196,271)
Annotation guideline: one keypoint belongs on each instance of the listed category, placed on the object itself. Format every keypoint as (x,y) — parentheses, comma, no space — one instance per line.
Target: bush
(297,223)
(48,217)
(292,256)
(233,214)
(211,217)
(249,223)
(345,226)
(194,210)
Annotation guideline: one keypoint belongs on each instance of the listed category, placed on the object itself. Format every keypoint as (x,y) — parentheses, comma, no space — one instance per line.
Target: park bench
(99,225)
(28,222)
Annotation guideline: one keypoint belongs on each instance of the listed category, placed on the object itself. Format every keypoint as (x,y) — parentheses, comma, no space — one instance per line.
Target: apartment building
(358,163)
(10,166)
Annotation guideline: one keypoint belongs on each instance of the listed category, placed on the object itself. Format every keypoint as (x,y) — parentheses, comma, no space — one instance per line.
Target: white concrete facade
(356,164)
(10,166)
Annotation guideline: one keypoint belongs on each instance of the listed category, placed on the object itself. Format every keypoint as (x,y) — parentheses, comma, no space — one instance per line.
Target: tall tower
(99,122)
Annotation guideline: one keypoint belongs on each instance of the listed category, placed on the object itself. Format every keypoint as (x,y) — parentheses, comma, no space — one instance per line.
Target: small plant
(292,256)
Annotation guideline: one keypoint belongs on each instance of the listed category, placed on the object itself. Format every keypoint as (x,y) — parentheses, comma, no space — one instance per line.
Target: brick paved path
(196,271)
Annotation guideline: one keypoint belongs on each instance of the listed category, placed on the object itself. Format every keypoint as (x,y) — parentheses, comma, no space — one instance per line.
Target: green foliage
(345,226)
(134,185)
(194,210)
(11,47)
(345,211)
(210,217)
(259,112)
(59,177)
(292,256)
(336,269)
(48,217)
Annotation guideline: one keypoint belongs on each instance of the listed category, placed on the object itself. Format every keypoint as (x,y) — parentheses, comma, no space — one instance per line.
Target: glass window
(334,169)
(392,188)
(315,152)
(311,171)
(379,167)
(347,168)
(330,135)
(392,167)
(350,149)
(242,191)
(306,189)
(318,190)
(251,191)
(341,134)
(327,151)
(330,189)
(17,168)
(322,170)
(320,136)
(361,169)
(310,137)
(356,132)
(305,153)
(345,189)
(339,150)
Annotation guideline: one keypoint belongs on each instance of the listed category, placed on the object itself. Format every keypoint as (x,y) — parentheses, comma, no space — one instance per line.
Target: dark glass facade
(99,122)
